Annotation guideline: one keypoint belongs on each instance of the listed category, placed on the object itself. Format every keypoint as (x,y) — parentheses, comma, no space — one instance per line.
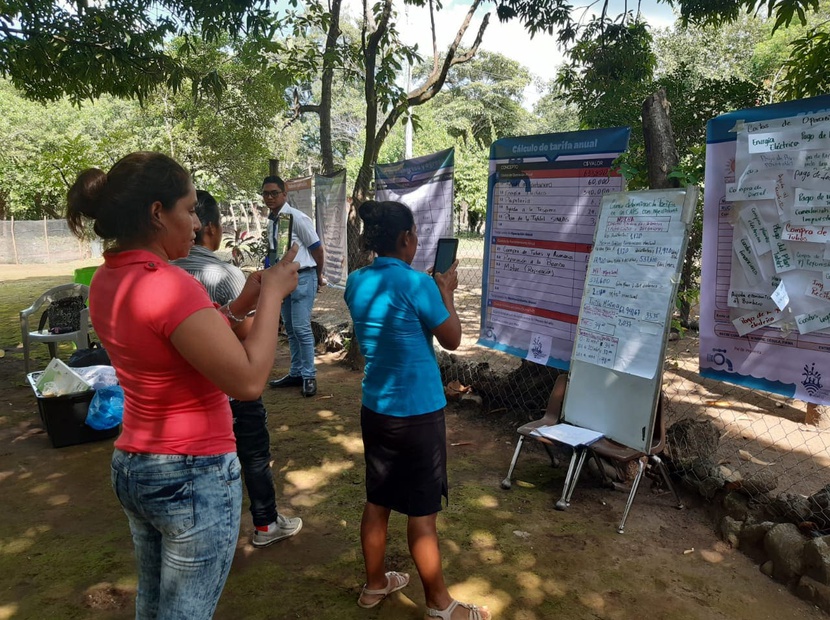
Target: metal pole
(46,237)
(14,245)
(408,119)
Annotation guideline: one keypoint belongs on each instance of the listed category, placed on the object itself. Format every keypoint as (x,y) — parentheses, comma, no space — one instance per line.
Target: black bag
(64,315)
(95,355)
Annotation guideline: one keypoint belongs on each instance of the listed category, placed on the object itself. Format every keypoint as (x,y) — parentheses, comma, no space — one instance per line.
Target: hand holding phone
(281,242)
(444,255)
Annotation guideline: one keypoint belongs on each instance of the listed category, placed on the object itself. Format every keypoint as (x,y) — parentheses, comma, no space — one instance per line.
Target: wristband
(226,310)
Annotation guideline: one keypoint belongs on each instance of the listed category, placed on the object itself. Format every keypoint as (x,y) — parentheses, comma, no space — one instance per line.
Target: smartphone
(282,237)
(444,255)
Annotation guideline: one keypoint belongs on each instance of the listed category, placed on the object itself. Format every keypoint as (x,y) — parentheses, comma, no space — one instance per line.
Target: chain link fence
(29,242)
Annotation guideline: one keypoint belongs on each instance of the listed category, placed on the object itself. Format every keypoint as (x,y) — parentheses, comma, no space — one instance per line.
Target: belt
(304,269)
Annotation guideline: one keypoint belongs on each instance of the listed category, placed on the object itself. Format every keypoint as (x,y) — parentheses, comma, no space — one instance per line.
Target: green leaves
(717,12)
(550,16)
(49,50)
(609,72)
(805,70)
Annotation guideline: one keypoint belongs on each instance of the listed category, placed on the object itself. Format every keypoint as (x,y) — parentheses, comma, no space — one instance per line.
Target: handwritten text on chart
(751,322)
(811,261)
(816,289)
(757,228)
(813,159)
(812,321)
(811,216)
(747,260)
(599,349)
(599,320)
(782,193)
(811,178)
(811,198)
(758,190)
(749,300)
(642,207)
(789,140)
(638,224)
(813,234)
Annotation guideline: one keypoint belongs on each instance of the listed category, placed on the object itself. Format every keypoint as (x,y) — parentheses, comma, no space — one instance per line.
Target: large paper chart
(332,216)
(543,206)
(298,195)
(631,275)
(765,294)
(425,185)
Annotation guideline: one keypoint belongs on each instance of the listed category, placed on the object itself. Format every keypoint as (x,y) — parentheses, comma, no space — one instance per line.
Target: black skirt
(406,461)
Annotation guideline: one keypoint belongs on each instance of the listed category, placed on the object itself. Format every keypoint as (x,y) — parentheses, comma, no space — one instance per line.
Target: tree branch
(370,91)
(474,49)
(434,41)
(299,109)
(436,79)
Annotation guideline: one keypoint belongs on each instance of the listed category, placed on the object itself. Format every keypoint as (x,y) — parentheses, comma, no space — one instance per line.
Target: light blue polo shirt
(394,309)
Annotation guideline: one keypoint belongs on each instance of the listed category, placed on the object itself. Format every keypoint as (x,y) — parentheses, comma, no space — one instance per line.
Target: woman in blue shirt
(396,311)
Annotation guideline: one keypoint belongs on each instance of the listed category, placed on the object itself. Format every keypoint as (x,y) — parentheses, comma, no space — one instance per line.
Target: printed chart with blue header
(543,204)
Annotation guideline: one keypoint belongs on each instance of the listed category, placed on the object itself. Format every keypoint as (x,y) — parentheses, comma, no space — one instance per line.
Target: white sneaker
(286,528)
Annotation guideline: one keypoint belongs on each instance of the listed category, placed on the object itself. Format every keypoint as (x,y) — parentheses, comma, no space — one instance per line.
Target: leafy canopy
(82,50)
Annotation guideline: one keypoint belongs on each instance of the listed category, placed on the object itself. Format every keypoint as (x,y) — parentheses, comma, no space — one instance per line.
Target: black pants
(253,446)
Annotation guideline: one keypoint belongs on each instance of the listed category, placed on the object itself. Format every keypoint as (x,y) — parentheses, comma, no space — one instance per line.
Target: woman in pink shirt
(174,468)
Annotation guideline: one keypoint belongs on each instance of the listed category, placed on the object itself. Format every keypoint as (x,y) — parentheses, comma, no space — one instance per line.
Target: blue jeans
(253,445)
(184,514)
(296,315)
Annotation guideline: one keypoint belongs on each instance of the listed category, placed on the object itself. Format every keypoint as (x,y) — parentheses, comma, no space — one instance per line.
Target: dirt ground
(65,549)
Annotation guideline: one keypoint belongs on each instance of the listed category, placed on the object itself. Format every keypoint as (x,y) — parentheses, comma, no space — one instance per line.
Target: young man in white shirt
(296,309)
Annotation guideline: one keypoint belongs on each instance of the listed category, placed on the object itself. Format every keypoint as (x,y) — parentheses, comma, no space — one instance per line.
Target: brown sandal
(394,581)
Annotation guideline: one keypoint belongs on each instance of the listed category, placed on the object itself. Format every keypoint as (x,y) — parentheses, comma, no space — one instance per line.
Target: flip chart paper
(635,258)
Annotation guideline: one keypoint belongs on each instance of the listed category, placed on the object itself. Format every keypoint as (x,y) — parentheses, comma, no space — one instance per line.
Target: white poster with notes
(631,280)
(765,285)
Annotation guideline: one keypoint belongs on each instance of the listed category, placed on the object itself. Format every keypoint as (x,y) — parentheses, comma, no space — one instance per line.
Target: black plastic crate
(64,417)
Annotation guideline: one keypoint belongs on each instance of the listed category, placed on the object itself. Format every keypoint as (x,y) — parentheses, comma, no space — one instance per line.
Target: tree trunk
(661,160)
(329,57)
(661,152)
(376,133)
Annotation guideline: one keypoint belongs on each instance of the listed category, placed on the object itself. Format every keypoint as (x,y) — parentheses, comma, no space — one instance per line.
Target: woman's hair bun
(370,212)
(84,196)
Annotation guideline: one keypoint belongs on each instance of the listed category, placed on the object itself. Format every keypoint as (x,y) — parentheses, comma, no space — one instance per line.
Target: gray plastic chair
(79,337)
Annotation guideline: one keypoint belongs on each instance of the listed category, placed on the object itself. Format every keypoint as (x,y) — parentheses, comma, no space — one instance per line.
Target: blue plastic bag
(106,409)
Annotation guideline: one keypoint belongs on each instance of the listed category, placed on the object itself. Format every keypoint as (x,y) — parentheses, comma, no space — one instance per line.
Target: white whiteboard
(625,315)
